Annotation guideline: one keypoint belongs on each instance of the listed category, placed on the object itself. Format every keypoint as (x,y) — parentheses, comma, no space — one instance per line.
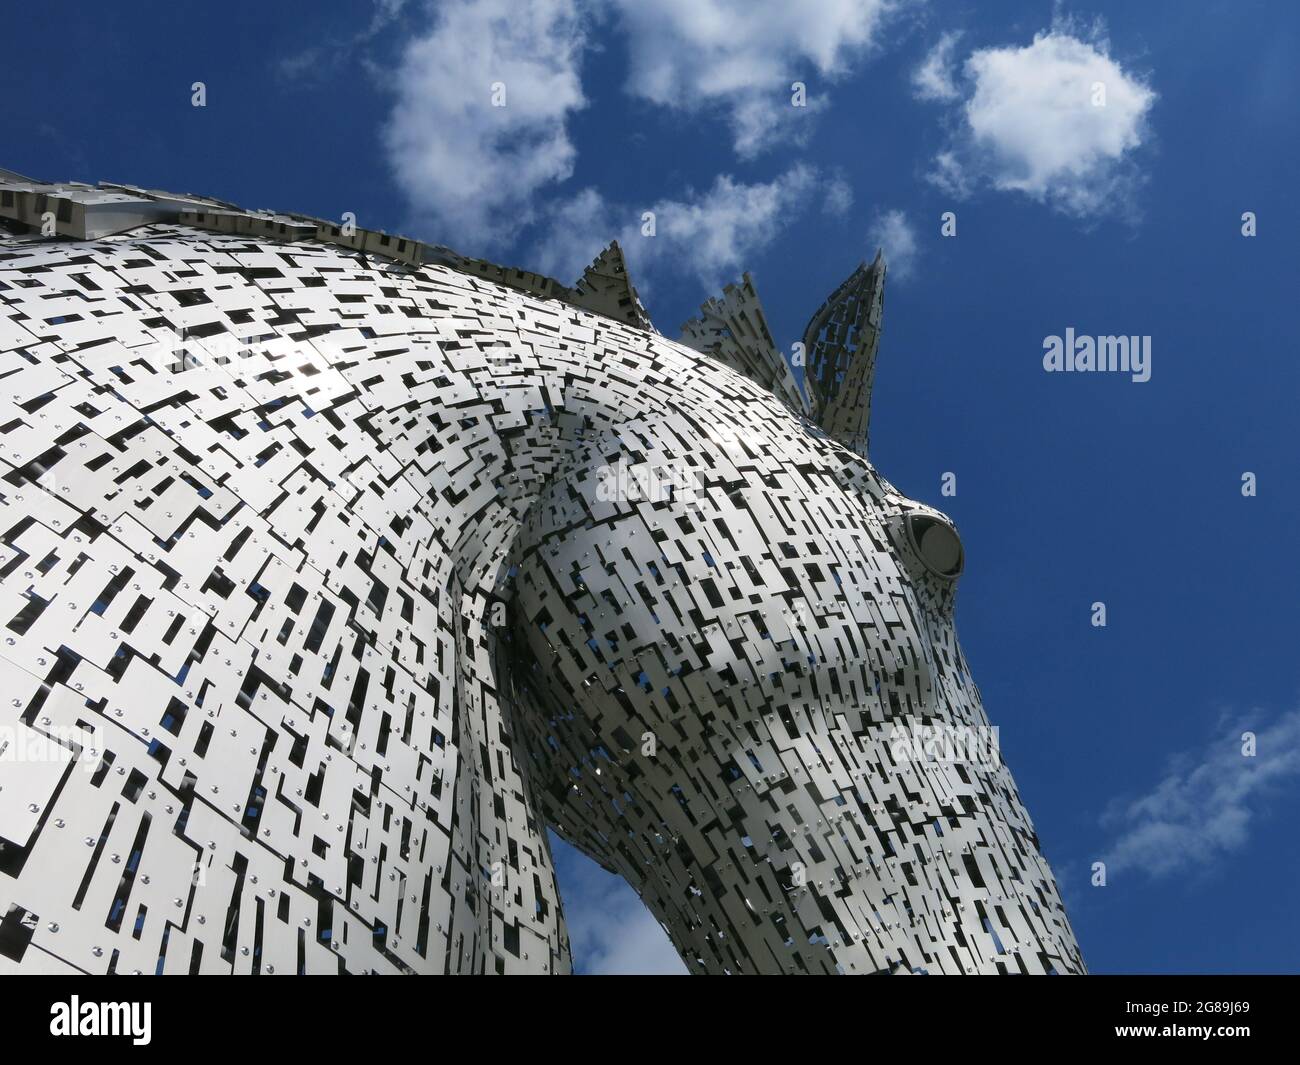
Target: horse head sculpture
(339,568)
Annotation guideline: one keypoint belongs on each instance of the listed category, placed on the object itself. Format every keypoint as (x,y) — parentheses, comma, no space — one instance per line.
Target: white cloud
(611,933)
(1032,122)
(316,60)
(477,176)
(933,79)
(742,55)
(712,235)
(472,170)
(616,935)
(1204,806)
(891,231)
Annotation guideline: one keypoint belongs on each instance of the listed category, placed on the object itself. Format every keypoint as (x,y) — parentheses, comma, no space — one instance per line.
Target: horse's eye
(937,545)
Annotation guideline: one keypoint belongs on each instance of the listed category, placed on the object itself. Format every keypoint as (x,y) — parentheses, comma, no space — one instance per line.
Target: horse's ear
(605,288)
(840,344)
(734,331)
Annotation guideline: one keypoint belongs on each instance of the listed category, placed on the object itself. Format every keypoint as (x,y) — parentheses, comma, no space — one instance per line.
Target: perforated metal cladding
(333,621)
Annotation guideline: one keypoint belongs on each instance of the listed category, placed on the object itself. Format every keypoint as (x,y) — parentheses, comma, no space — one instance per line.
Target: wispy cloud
(327,57)
(838,196)
(710,234)
(934,77)
(891,231)
(1058,120)
(1206,803)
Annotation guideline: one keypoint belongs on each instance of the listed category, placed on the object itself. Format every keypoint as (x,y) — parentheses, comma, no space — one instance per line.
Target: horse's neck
(482,409)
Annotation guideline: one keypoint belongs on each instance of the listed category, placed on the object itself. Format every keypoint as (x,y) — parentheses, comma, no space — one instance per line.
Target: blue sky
(1071,488)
